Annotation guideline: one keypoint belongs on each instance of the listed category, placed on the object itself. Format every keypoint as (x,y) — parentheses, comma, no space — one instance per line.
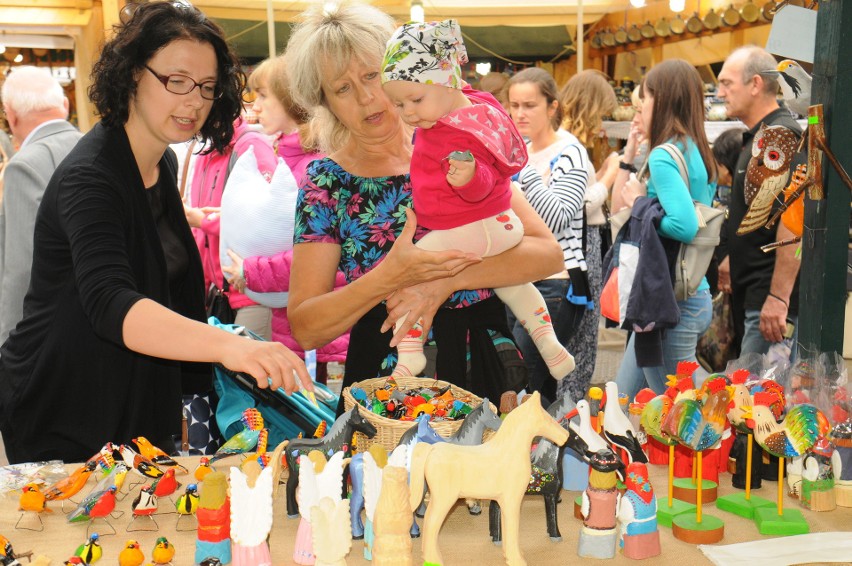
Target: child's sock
(559,362)
(411,361)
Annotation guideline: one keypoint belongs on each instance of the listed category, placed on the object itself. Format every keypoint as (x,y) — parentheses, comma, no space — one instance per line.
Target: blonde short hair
(324,43)
(272,74)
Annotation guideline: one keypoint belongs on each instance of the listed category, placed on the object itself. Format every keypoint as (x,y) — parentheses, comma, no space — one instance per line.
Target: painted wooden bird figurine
(157,455)
(140,464)
(90,551)
(203,469)
(795,85)
(71,485)
(585,436)
(187,503)
(740,398)
(617,429)
(793,436)
(97,505)
(246,439)
(163,551)
(166,484)
(131,554)
(145,503)
(699,424)
(32,499)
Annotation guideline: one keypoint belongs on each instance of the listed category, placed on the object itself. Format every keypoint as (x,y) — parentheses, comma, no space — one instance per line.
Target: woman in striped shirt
(554,182)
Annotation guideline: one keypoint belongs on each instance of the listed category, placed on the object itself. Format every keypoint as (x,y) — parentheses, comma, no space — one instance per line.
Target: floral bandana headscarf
(428,53)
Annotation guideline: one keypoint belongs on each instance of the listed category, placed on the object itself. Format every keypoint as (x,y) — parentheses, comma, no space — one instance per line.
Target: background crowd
(125,240)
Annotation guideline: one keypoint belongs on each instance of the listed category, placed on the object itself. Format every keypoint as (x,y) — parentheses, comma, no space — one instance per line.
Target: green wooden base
(685,490)
(665,514)
(737,504)
(710,530)
(769,522)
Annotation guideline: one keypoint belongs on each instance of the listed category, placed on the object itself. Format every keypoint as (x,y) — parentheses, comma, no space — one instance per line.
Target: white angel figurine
(317,479)
(251,514)
(332,531)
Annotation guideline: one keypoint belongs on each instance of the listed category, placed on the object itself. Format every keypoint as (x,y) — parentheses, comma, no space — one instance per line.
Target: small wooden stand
(669,507)
(780,521)
(743,504)
(698,528)
(843,494)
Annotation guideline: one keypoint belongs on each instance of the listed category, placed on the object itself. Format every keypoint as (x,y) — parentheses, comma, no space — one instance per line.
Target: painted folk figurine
(392,543)
(498,470)
(637,514)
(817,493)
(600,500)
(214,520)
(331,531)
(317,479)
(251,514)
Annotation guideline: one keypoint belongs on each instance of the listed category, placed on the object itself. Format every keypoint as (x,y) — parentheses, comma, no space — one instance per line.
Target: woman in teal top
(672,111)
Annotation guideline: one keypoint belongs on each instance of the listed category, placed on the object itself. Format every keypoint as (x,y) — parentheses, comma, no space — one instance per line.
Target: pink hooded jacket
(208,183)
(272,274)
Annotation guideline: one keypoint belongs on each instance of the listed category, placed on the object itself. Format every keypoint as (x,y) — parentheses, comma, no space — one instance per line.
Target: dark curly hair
(150,28)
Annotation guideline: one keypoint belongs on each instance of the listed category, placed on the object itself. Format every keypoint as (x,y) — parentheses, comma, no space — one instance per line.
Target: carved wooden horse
(498,470)
(338,439)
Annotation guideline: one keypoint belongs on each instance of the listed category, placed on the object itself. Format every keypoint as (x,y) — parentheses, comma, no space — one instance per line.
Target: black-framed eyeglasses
(181,84)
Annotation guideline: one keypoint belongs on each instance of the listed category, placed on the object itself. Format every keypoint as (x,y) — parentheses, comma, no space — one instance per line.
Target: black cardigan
(67,382)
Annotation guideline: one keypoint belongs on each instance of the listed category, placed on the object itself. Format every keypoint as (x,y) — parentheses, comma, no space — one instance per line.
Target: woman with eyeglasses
(114,316)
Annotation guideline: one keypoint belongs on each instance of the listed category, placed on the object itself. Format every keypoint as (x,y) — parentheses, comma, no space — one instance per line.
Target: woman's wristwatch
(627,167)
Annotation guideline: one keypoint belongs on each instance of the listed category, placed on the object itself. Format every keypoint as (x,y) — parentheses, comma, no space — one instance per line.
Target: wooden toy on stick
(498,470)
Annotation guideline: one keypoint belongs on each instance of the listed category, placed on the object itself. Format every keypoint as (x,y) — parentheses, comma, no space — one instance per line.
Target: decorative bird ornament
(591,441)
(140,464)
(71,485)
(90,551)
(32,499)
(96,505)
(617,428)
(793,436)
(131,554)
(768,171)
(145,503)
(186,505)
(740,398)
(795,85)
(696,424)
(203,469)
(163,551)
(166,485)
(245,440)
(157,455)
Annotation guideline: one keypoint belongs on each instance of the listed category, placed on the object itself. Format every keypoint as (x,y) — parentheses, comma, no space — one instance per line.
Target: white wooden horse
(498,470)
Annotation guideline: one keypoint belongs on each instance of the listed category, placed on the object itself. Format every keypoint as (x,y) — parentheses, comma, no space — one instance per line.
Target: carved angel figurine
(251,514)
(332,531)
(374,465)
(392,544)
(317,479)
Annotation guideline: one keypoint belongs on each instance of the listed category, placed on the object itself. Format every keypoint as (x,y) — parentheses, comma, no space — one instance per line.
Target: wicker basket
(389,431)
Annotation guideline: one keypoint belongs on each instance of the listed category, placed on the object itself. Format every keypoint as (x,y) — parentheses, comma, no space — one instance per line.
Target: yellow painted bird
(157,455)
(131,555)
(187,503)
(32,499)
(90,551)
(203,469)
(163,551)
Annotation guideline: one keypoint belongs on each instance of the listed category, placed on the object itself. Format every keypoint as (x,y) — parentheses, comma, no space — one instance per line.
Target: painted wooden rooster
(740,397)
(793,436)
(699,425)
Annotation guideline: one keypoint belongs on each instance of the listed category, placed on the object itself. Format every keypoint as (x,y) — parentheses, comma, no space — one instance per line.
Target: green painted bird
(90,551)
(793,436)
(245,440)
(163,551)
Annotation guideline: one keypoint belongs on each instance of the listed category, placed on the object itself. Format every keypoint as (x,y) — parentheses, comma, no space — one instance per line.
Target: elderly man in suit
(36,109)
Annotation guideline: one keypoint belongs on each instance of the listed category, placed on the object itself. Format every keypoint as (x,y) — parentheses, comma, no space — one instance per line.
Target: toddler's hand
(460,172)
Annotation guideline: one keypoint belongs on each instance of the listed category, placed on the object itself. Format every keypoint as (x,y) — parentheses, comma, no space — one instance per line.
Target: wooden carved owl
(768,171)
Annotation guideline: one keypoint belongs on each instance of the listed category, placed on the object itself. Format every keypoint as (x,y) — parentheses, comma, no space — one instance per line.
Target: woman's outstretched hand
(419,302)
(271,364)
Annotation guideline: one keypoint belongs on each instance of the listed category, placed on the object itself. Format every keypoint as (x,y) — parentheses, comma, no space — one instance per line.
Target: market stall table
(464,539)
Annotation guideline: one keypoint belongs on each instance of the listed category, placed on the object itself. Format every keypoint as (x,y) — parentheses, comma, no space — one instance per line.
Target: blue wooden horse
(546,476)
(469,433)
(338,438)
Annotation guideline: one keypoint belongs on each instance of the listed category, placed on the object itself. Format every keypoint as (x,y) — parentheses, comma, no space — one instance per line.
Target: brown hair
(678,111)
(546,86)
(585,99)
(272,74)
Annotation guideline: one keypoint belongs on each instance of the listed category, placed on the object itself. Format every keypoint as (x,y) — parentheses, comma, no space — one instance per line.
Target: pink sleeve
(269,274)
(211,225)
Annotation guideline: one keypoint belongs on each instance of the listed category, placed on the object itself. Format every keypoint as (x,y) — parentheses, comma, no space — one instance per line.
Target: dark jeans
(566,319)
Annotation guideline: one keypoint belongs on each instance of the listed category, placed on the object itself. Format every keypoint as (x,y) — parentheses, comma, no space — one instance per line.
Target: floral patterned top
(364,215)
